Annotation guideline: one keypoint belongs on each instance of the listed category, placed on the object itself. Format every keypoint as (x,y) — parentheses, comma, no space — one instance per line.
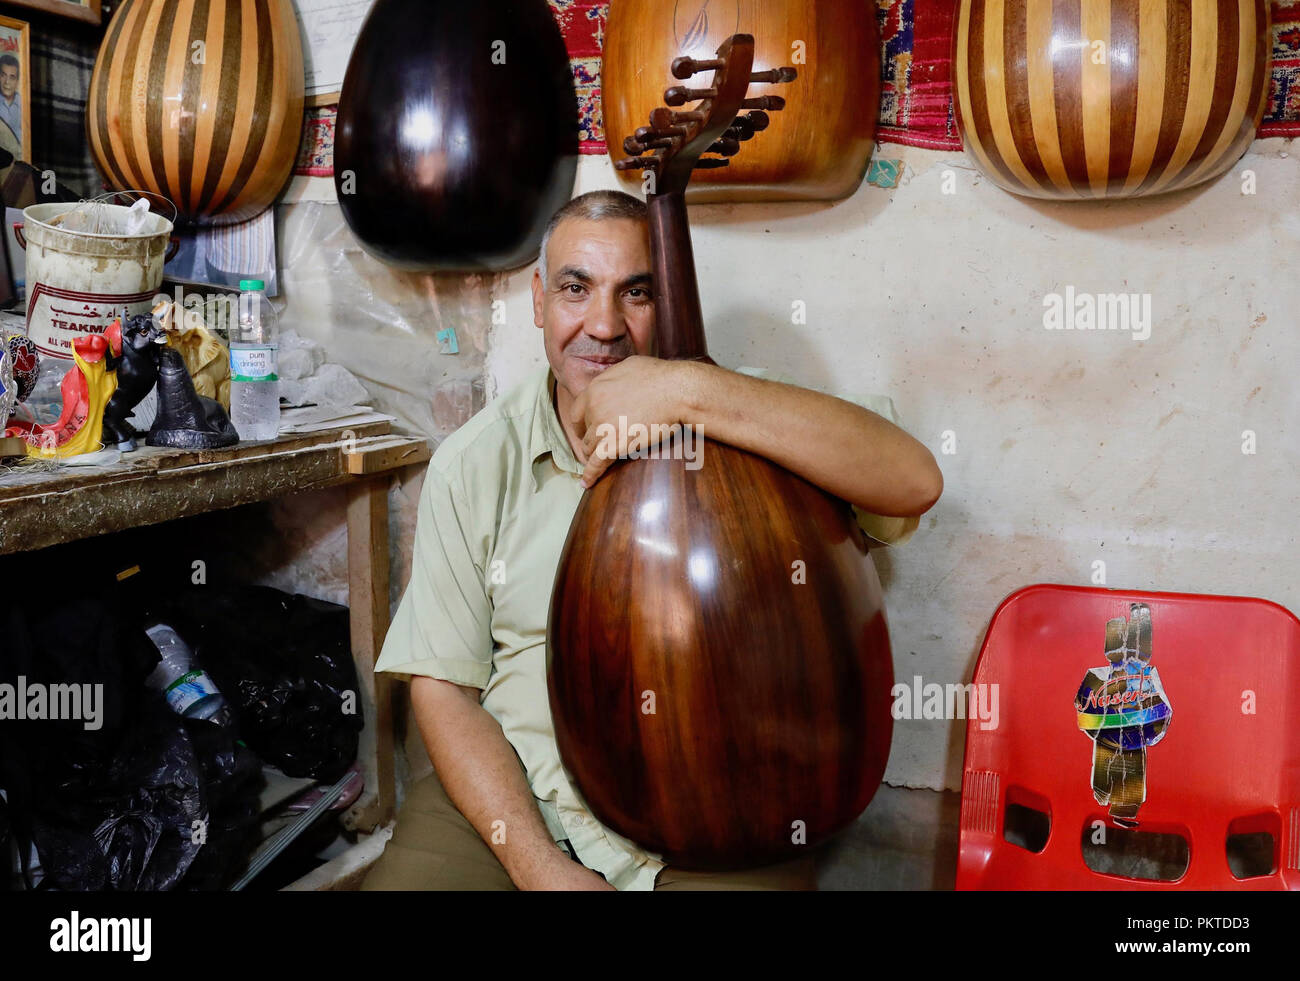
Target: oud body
(719,665)
(827,133)
(1109,98)
(457,133)
(216,135)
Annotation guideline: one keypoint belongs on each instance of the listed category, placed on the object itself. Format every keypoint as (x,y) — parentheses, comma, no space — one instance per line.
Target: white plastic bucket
(77,282)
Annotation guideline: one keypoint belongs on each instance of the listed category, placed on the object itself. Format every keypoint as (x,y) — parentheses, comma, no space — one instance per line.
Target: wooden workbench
(43,507)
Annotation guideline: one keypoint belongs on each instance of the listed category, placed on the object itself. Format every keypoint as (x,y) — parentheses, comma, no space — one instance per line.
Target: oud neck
(679,323)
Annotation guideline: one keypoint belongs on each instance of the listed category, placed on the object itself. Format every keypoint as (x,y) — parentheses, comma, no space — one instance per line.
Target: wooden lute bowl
(216,135)
(1108,98)
(820,148)
(717,656)
(678,592)
(457,133)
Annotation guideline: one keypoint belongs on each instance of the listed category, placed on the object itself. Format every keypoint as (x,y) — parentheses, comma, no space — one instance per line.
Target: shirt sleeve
(882,528)
(443,625)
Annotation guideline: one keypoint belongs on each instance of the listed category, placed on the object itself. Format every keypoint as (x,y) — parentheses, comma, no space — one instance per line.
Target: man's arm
(843,448)
(481,774)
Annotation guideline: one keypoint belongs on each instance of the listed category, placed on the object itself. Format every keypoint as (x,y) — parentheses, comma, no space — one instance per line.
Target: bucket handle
(18,234)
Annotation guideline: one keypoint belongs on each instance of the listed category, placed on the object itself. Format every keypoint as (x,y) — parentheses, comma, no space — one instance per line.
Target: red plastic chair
(1216,771)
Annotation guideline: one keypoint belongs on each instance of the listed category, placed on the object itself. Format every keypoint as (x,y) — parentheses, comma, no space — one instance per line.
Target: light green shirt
(498,499)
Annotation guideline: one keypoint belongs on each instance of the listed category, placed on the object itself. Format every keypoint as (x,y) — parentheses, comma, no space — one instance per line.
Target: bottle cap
(251,284)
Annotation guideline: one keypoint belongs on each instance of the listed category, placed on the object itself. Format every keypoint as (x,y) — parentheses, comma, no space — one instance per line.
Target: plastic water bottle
(182,681)
(254,383)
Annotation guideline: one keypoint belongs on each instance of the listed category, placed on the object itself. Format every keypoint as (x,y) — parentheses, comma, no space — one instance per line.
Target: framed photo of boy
(15,88)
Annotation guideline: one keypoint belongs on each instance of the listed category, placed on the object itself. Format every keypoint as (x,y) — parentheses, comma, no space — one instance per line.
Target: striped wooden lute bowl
(1072,99)
(201,101)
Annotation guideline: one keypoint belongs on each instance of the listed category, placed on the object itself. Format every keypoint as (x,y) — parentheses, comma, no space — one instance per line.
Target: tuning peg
(710,163)
(726,146)
(772,103)
(758,119)
(777,76)
(684,68)
(666,119)
(648,136)
(636,146)
(741,129)
(679,95)
(637,163)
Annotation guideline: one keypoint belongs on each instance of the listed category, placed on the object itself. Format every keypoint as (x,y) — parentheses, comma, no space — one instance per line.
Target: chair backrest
(1226,763)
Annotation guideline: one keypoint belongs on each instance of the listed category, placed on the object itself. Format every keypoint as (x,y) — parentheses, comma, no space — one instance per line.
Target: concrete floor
(906,839)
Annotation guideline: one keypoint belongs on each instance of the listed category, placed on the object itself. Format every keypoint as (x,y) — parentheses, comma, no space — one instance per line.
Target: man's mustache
(619,351)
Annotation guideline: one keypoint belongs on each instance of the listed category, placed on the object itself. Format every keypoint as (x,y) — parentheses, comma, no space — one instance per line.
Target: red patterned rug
(916,73)
(916,78)
(1282,116)
(582,22)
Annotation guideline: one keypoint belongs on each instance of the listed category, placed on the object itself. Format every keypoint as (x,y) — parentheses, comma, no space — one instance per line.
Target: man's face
(8,81)
(598,307)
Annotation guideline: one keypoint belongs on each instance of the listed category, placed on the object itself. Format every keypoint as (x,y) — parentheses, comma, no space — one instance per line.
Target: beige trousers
(435,848)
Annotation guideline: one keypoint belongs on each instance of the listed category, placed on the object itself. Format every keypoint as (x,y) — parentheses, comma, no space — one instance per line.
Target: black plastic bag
(131,826)
(110,799)
(285,664)
(232,777)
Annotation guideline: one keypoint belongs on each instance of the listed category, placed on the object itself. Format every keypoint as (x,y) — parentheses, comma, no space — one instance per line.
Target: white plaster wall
(1071,447)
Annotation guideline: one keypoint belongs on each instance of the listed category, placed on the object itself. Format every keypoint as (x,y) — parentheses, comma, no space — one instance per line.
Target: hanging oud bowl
(200,101)
(1108,98)
(457,133)
(718,660)
(820,146)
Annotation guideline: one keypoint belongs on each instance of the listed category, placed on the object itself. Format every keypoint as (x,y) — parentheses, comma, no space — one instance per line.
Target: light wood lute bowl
(200,101)
(1108,98)
(818,149)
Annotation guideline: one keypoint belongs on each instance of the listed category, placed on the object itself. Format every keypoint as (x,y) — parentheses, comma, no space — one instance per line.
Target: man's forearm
(841,447)
(480,772)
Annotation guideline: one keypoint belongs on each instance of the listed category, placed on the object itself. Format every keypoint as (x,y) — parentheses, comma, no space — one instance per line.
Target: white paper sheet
(328,29)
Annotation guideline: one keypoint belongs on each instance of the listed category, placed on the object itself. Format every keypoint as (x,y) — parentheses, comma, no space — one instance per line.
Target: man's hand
(564,874)
(484,779)
(641,390)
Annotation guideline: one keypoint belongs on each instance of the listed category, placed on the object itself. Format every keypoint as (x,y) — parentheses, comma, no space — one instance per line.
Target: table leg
(368,570)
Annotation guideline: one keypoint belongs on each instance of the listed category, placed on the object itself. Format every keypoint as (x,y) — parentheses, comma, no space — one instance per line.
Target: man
(11,102)
(498,499)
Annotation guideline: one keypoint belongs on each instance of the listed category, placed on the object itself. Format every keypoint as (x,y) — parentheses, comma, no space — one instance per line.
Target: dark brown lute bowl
(771,698)
(457,133)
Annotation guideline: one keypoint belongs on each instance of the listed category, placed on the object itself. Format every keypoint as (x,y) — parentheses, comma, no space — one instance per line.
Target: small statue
(206,358)
(86,390)
(186,419)
(133,354)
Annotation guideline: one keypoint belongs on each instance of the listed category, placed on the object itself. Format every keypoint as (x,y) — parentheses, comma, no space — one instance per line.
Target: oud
(718,660)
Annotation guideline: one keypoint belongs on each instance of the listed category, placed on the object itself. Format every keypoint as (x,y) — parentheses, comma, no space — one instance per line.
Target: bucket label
(57,317)
(253,364)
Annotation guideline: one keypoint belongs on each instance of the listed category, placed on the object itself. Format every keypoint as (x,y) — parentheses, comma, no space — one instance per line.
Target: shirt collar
(547,435)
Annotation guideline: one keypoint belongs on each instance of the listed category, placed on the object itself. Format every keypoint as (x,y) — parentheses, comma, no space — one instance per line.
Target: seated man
(498,499)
